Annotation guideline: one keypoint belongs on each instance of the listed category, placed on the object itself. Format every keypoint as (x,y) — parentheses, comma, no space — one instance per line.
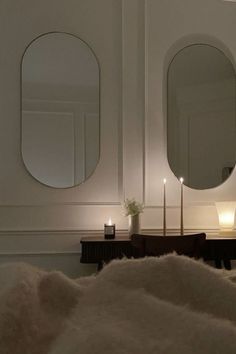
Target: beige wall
(169,27)
(25,203)
(133,41)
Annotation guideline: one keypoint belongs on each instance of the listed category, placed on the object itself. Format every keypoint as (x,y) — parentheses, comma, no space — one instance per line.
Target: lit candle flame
(109,222)
(181,180)
(164,180)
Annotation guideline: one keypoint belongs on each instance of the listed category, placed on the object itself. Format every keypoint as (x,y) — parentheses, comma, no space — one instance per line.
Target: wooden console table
(220,249)
(99,250)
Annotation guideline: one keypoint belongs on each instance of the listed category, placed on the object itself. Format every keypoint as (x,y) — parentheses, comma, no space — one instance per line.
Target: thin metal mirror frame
(21,108)
(167,109)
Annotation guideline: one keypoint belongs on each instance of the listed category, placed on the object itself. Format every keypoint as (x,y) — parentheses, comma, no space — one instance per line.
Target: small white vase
(134,224)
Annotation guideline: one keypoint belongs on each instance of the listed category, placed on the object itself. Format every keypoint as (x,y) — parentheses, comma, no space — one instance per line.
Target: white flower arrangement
(132,207)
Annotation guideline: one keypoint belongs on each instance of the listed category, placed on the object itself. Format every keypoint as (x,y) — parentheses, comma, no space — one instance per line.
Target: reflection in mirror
(201,116)
(60,110)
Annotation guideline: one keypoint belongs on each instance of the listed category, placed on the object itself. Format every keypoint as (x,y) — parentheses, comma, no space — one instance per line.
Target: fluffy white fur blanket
(161,305)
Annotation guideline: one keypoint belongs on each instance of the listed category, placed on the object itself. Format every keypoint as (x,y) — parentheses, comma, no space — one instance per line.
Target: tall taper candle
(164,207)
(181,208)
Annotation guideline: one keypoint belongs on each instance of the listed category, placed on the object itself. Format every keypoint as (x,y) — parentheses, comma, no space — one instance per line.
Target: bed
(171,304)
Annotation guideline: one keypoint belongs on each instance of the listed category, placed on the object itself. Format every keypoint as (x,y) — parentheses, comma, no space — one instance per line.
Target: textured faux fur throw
(160,305)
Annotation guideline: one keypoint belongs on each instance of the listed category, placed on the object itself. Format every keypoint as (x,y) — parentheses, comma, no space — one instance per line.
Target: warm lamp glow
(226,213)
(226,220)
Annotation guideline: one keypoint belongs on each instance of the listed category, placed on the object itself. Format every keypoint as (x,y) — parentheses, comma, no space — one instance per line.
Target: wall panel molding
(133,72)
(59,242)
(84,218)
(59,204)
(199,209)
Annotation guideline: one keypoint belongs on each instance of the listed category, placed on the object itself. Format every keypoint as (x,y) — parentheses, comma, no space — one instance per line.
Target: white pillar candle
(181,207)
(164,207)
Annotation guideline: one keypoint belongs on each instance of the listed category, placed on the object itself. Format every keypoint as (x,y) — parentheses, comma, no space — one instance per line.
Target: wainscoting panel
(67,263)
(168,29)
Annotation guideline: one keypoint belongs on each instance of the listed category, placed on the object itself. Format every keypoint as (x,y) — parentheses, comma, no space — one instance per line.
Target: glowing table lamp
(226,214)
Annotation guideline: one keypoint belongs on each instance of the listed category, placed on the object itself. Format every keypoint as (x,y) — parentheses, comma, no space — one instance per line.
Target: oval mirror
(201,112)
(60,110)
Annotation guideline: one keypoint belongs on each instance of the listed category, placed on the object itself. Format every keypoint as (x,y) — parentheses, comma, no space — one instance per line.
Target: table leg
(100,266)
(227,264)
(218,263)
